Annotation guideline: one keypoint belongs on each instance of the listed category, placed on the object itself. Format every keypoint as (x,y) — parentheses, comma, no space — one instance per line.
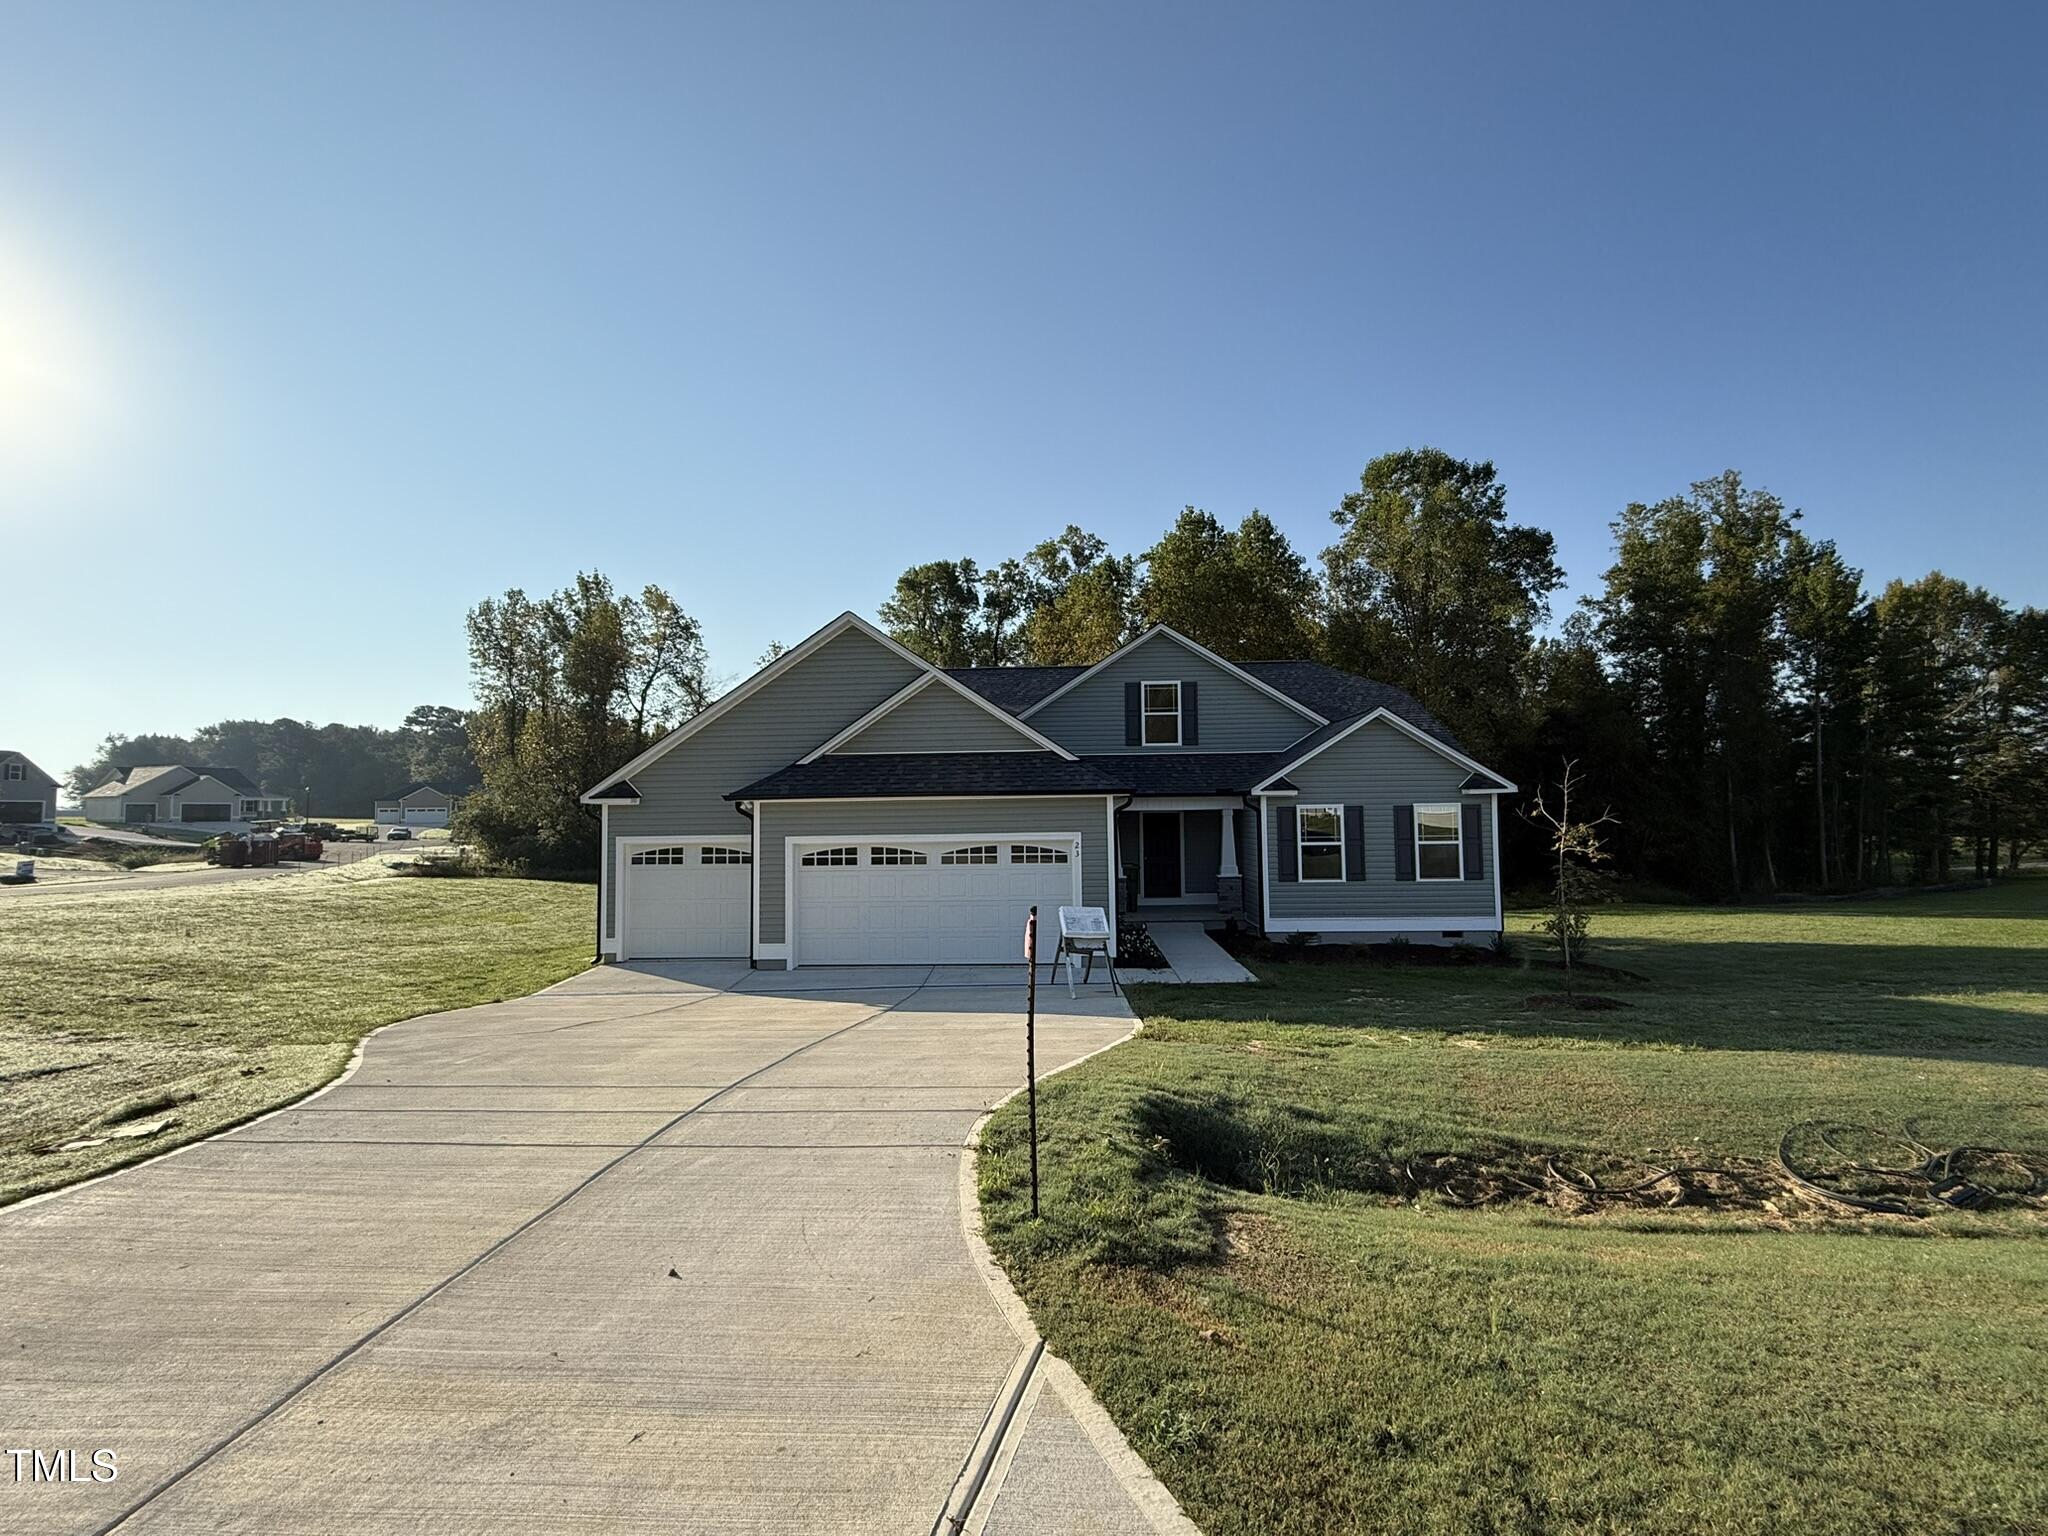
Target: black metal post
(1031,1043)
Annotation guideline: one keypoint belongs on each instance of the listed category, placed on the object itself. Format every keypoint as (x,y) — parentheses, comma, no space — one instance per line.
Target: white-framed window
(895,856)
(677,855)
(712,853)
(1439,842)
(16,772)
(833,858)
(978,853)
(1160,703)
(1036,853)
(1319,841)
(250,807)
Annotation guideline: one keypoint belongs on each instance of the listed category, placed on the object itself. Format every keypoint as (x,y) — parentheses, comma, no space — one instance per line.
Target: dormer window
(1161,714)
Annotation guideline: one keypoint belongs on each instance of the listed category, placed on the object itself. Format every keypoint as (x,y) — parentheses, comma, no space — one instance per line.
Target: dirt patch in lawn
(1824,1171)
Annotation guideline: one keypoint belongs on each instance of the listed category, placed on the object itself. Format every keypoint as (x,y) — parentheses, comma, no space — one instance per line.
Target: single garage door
(426,815)
(686,901)
(928,901)
(21,810)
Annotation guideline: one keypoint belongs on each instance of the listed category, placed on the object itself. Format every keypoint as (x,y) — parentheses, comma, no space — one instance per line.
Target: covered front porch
(1183,858)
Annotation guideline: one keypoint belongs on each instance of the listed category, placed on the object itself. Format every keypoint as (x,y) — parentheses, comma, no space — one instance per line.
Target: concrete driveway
(671,1248)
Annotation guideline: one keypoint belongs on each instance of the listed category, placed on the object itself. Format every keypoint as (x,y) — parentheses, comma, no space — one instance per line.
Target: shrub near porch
(1296,1349)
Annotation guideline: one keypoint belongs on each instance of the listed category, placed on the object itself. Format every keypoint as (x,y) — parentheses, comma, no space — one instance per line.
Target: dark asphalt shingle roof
(929,773)
(1013,688)
(618,789)
(1330,691)
(1186,773)
(1337,695)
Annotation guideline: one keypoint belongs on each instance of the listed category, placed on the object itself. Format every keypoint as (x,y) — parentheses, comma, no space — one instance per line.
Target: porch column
(1229,885)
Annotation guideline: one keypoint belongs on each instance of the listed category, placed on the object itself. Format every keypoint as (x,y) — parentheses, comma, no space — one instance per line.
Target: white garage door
(928,901)
(427,815)
(685,901)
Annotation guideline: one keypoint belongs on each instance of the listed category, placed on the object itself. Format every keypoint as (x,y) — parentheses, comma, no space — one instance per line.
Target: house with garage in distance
(851,803)
(171,794)
(28,795)
(421,806)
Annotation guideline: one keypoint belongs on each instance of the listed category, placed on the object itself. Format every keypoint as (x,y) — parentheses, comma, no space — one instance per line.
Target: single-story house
(174,793)
(421,806)
(850,803)
(27,794)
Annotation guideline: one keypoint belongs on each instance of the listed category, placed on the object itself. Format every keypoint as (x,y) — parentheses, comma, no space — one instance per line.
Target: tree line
(326,770)
(1754,716)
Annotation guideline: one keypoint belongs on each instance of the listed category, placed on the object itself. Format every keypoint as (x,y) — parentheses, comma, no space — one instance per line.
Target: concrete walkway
(671,1248)
(1193,958)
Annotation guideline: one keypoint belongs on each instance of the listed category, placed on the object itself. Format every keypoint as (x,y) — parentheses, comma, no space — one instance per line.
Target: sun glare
(55,394)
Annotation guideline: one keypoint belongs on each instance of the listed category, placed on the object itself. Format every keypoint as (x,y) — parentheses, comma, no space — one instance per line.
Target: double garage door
(927,901)
(909,901)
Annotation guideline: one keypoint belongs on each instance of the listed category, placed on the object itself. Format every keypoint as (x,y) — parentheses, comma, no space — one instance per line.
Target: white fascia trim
(1386,714)
(1185,803)
(780,665)
(1200,650)
(910,691)
(1296,923)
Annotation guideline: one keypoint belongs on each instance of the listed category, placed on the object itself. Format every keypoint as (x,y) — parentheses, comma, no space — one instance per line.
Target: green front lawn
(1245,1254)
(208,1004)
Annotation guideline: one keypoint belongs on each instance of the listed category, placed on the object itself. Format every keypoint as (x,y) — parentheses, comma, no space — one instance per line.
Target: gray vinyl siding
(937,719)
(34,784)
(682,792)
(1085,817)
(1379,767)
(1233,716)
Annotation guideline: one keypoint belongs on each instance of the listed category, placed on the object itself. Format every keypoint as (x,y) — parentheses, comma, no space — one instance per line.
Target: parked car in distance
(399,835)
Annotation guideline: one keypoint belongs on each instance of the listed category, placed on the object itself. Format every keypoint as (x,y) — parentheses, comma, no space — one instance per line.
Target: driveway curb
(1150,1496)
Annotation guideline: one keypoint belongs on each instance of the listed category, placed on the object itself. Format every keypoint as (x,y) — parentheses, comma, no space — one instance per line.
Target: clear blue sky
(764,302)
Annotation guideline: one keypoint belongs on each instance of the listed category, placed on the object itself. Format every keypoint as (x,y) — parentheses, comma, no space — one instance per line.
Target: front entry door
(1159,855)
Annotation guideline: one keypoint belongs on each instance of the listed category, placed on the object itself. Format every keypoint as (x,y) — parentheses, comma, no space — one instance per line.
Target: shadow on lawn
(1861,999)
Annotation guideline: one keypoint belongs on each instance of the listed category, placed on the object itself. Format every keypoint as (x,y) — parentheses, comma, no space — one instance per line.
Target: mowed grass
(1296,1348)
(212,1003)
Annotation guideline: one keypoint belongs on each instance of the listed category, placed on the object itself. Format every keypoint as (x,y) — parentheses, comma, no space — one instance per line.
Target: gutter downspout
(746,809)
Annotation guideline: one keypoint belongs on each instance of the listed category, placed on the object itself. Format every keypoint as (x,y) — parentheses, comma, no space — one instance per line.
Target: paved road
(670,1248)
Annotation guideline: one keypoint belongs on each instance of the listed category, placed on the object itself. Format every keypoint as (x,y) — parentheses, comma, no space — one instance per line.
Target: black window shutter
(1475,850)
(1134,725)
(1404,842)
(1190,717)
(1354,842)
(1290,855)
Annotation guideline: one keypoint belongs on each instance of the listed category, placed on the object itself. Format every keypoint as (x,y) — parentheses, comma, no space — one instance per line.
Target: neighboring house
(174,793)
(421,806)
(852,804)
(27,794)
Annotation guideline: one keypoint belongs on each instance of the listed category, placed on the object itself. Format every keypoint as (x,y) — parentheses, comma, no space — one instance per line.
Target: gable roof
(1317,742)
(1329,691)
(234,778)
(781,664)
(911,690)
(1200,650)
(7,754)
(1339,695)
